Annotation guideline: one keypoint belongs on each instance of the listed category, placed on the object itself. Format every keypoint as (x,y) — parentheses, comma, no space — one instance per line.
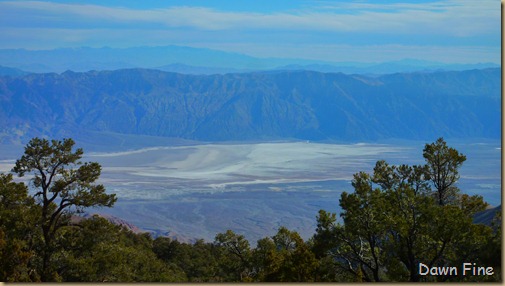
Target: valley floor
(196,191)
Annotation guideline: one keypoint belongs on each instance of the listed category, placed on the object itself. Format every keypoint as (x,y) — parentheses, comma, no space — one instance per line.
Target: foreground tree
(63,186)
(100,251)
(401,216)
(235,257)
(198,260)
(284,257)
(17,213)
(443,163)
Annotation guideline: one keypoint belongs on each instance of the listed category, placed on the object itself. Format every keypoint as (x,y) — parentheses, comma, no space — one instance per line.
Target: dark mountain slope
(253,106)
(486,217)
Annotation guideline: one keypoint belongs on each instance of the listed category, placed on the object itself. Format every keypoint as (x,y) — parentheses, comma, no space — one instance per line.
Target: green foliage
(199,261)
(264,258)
(63,186)
(235,259)
(405,215)
(486,250)
(285,258)
(364,229)
(324,240)
(103,252)
(17,214)
(443,163)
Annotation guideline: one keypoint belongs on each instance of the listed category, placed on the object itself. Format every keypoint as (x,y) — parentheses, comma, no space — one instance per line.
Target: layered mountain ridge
(195,60)
(302,105)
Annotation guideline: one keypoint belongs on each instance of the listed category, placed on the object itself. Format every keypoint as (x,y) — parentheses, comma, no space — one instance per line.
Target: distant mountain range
(190,60)
(14,72)
(301,105)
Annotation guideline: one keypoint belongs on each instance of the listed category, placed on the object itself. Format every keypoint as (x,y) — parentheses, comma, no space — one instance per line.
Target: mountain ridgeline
(301,105)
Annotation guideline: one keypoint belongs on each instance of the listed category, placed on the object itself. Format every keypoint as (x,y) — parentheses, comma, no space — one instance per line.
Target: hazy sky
(366,31)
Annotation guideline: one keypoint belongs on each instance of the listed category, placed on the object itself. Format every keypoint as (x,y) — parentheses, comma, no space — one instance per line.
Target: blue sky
(451,31)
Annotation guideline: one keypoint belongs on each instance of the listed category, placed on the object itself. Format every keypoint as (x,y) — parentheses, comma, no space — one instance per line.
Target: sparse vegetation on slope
(304,105)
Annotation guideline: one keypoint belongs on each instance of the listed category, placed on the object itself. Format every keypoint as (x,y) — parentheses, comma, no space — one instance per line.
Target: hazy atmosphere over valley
(208,116)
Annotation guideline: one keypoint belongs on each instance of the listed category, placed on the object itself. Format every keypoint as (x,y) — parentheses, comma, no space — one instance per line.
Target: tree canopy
(401,216)
(63,185)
